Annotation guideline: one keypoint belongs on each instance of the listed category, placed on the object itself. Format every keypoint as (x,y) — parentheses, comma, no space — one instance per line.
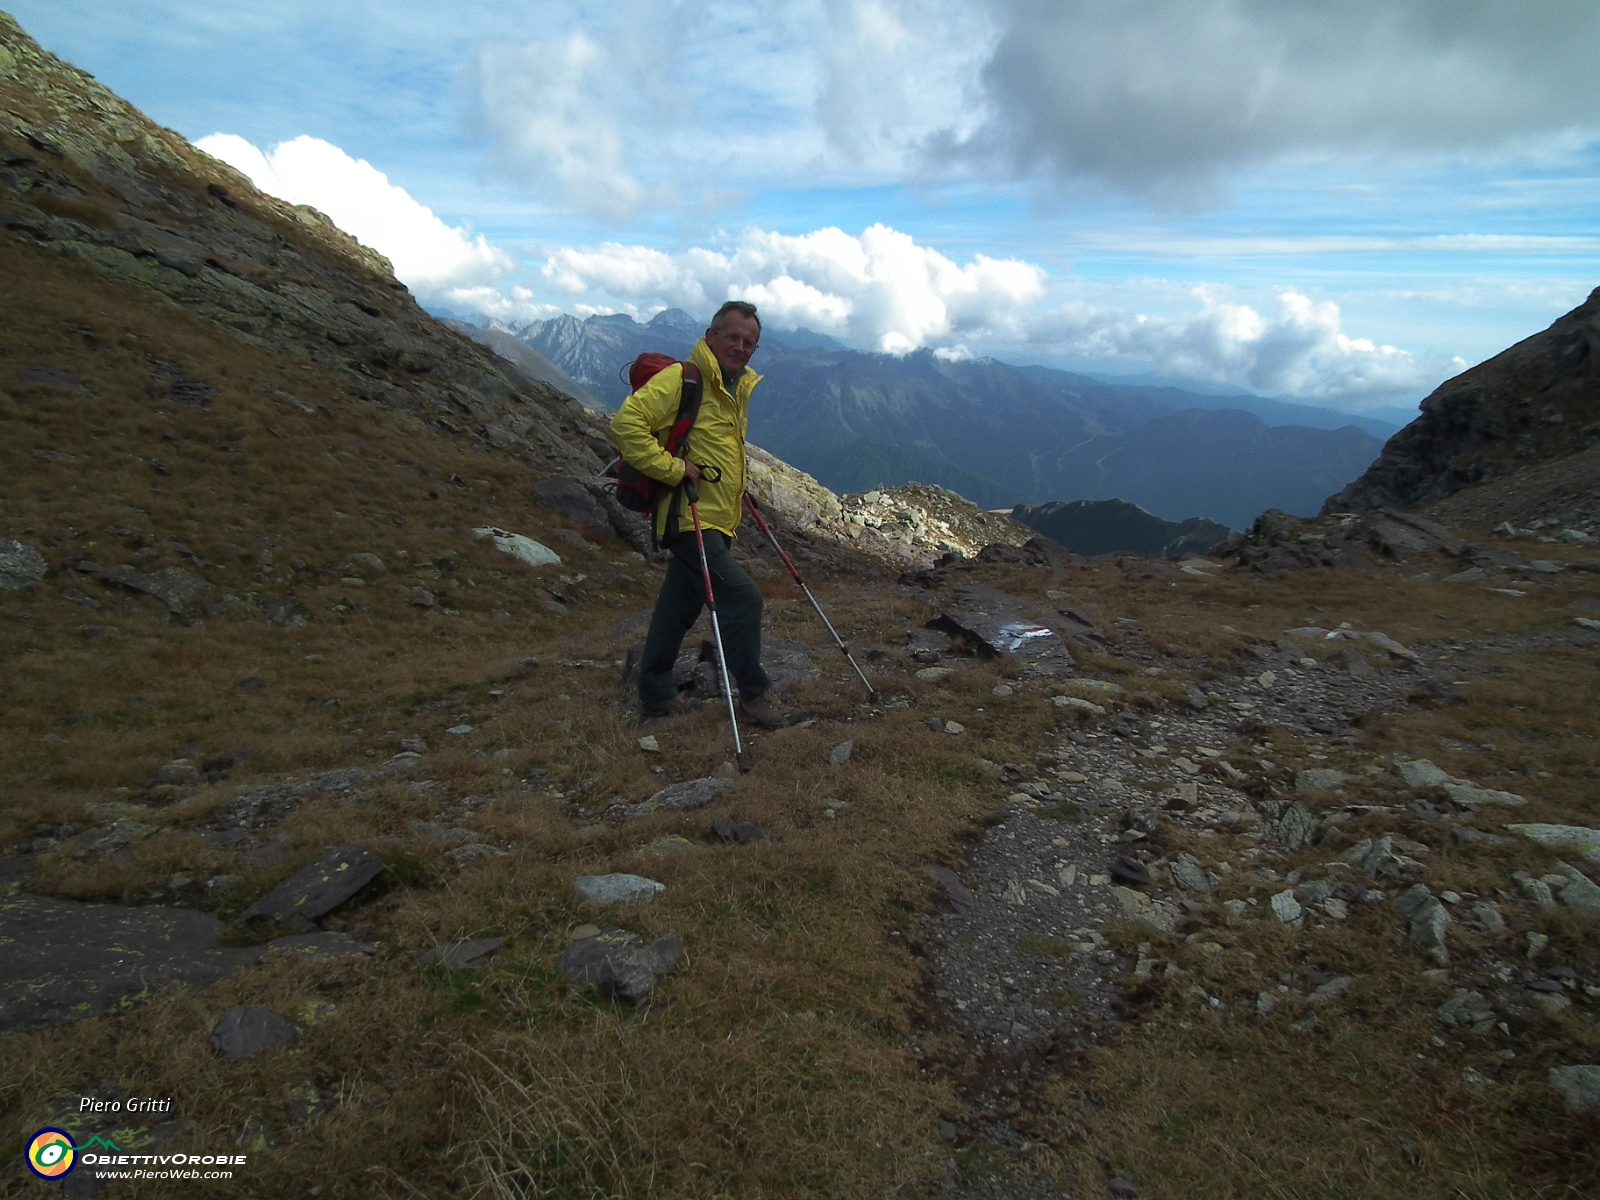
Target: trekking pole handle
(709,473)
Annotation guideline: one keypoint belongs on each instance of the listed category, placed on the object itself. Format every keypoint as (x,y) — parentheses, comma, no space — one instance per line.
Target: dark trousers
(683,595)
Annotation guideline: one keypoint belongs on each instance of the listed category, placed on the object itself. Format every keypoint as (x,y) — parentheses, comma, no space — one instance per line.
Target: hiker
(713,464)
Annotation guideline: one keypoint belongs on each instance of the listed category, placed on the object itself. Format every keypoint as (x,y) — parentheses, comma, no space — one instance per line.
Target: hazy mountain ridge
(1226,465)
(999,434)
(1272,410)
(596,350)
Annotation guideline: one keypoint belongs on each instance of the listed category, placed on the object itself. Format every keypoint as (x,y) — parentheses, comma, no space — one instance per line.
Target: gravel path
(1020,963)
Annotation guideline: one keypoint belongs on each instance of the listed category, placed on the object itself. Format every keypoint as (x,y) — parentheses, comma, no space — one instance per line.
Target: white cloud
(880,291)
(545,103)
(1166,95)
(634,107)
(428,255)
(1301,351)
(883,291)
(897,72)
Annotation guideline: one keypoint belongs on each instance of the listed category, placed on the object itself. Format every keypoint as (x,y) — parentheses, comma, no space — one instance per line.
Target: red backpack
(636,491)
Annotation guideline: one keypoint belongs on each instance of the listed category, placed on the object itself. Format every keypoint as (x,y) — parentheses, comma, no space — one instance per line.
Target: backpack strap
(678,437)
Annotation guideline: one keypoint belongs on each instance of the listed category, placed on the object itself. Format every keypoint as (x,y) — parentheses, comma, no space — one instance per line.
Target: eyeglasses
(734,339)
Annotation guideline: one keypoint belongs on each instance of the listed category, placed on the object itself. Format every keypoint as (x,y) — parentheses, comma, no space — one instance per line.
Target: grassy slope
(781,1060)
(782,1028)
(791,1054)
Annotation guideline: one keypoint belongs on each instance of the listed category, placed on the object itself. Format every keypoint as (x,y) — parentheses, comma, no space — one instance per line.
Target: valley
(997,434)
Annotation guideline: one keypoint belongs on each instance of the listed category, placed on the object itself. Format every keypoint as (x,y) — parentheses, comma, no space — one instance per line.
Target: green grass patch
(1045,947)
(1067,810)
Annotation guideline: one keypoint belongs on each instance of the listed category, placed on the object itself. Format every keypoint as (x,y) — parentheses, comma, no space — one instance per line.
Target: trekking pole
(872,692)
(716,627)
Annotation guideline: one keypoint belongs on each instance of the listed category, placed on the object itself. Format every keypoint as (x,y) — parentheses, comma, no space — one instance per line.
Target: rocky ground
(1022,964)
(1170,816)
(328,822)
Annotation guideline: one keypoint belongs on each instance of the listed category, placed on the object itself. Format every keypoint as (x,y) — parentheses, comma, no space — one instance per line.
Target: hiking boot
(651,711)
(768,715)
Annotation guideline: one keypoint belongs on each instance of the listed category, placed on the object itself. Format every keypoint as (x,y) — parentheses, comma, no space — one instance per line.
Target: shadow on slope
(1092,527)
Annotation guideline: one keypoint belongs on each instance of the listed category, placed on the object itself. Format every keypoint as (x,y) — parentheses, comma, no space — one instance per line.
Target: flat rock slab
(1469,794)
(1579,1086)
(1581,892)
(178,589)
(1420,773)
(1427,920)
(678,797)
(61,960)
(249,1030)
(462,954)
(957,892)
(1565,839)
(994,624)
(619,964)
(1319,779)
(21,566)
(617,888)
(521,547)
(316,890)
(1400,535)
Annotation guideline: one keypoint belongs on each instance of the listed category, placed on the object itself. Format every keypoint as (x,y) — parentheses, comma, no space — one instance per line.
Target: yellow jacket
(716,440)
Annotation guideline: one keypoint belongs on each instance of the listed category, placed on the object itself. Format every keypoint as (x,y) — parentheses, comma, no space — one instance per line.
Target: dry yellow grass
(776,1060)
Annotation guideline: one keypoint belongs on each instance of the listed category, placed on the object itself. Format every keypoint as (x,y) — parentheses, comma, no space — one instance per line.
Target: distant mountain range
(998,434)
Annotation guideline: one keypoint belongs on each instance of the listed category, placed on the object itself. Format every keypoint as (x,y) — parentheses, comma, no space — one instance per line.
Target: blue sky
(1343,203)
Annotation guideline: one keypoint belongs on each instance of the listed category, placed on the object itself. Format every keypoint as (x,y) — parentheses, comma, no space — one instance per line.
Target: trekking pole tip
(743,761)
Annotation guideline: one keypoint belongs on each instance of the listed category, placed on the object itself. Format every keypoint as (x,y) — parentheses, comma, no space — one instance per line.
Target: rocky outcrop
(1533,404)
(87,179)
(909,526)
(1279,542)
(86,176)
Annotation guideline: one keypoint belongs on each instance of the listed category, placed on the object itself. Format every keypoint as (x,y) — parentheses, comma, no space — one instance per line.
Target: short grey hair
(743,307)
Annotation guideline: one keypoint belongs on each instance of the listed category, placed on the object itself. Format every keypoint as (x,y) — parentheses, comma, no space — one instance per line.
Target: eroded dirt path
(1021,962)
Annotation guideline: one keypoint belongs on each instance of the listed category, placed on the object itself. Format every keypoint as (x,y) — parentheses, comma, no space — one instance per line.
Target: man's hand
(691,473)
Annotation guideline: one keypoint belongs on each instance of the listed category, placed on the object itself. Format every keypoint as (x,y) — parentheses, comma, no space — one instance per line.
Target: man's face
(734,342)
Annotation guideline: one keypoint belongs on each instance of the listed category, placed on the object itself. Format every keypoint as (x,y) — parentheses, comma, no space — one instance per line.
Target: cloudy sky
(1341,202)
